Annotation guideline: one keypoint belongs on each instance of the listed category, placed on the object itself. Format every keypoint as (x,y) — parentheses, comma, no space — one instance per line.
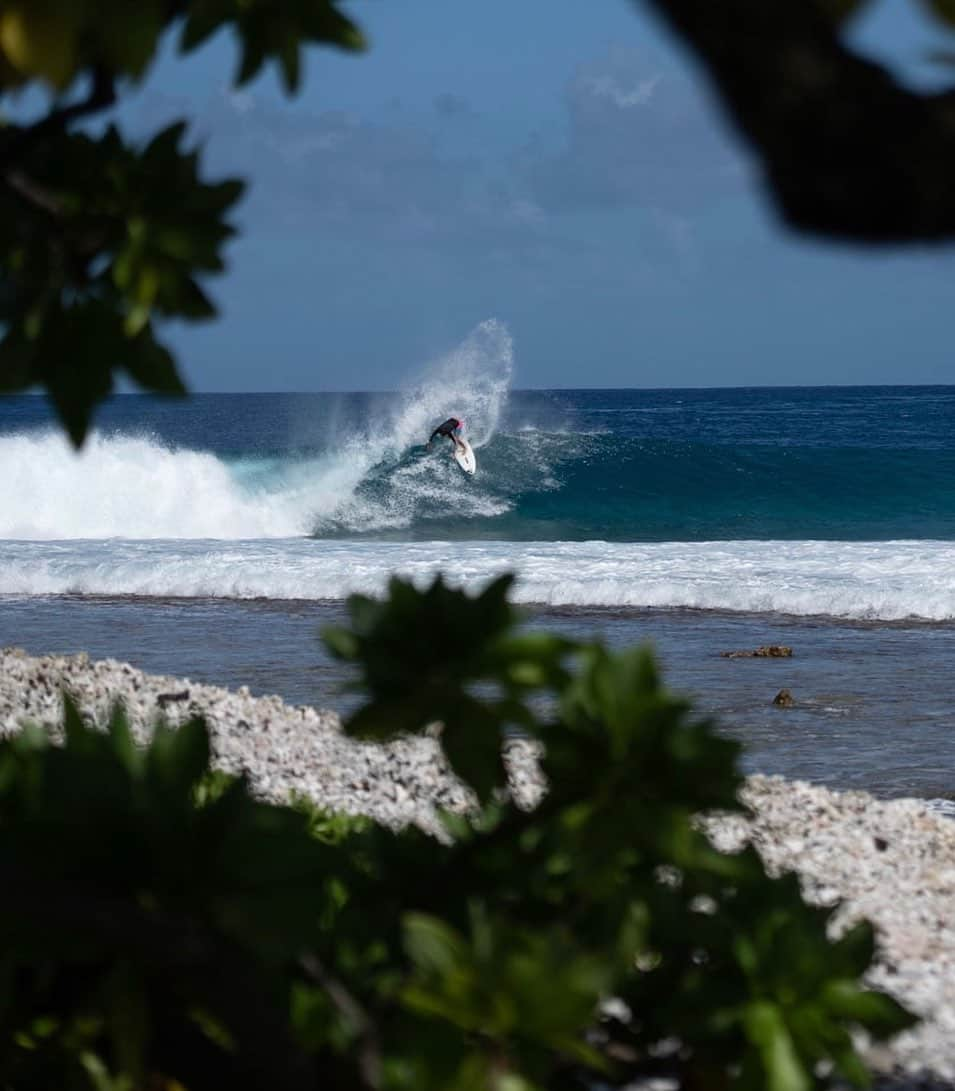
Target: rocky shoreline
(891,861)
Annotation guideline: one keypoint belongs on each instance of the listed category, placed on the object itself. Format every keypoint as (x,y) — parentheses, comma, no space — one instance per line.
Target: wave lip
(366,479)
(860,580)
(129,486)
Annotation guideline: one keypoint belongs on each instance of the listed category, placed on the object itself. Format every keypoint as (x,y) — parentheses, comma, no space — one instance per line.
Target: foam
(862,580)
(136,487)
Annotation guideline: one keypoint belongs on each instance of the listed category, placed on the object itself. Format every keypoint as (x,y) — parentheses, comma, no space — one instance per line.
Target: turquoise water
(213,537)
(649,466)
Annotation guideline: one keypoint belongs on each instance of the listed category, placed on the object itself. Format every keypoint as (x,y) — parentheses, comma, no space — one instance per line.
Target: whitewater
(139,487)
(212,538)
(802,502)
(865,581)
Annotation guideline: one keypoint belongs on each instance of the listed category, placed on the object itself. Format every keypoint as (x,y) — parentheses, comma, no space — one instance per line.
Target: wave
(372,477)
(863,580)
(558,466)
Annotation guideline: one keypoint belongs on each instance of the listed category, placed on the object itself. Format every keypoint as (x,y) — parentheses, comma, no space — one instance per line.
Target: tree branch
(101,96)
(369,1050)
(846,151)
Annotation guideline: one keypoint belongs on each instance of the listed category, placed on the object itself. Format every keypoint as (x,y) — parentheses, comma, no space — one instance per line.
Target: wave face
(357,467)
(861,580)
(863,465)
(531,485)
(805,501)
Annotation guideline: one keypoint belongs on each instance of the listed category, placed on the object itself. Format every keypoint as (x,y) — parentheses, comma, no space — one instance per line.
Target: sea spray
(387,480)
(128,486)
(375,477)
(616,466)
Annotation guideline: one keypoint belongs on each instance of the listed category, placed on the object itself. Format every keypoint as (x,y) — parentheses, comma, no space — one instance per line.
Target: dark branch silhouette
(846,151)
(101,96)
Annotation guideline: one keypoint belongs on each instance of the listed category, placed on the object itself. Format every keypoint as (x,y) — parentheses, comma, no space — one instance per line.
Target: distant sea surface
(213,537)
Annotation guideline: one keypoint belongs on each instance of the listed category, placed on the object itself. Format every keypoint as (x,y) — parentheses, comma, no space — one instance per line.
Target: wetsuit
(446,429)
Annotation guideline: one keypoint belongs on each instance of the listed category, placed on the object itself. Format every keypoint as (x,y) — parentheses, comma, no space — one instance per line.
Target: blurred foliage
(102,240)
(848,145)
(99,238)
(162,928)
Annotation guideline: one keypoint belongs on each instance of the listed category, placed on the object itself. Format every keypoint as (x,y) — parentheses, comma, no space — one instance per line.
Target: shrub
(163,928)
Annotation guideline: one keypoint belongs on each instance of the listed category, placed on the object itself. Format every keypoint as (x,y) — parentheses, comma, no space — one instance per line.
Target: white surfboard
(464,456)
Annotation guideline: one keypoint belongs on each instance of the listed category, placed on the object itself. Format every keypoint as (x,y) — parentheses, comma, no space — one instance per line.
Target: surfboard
(464,456)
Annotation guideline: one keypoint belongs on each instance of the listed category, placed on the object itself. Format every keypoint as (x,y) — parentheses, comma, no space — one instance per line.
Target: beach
(891,861)
(190,557)
(867,712)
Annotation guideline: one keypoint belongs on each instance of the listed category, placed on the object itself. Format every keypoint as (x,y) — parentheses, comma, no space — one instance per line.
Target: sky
(559,166)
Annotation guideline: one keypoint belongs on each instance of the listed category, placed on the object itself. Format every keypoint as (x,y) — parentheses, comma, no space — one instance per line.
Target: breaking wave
(375,477)
(861,580)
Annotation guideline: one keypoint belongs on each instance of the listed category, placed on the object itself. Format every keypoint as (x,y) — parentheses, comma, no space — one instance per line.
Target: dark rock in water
(765,651)
(164,699)
(784,699)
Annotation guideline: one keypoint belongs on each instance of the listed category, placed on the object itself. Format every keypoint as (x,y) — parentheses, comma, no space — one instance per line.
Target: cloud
(454,106)
(336,173)
(637,140)
(638,136)
(607,87)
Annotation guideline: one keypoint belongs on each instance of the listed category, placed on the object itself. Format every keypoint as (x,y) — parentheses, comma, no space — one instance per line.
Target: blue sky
(558,166)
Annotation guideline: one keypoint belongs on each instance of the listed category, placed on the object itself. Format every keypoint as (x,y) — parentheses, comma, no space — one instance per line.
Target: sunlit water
(212,538)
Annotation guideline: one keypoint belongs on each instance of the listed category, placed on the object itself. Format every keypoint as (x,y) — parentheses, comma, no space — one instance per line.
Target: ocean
(213,537)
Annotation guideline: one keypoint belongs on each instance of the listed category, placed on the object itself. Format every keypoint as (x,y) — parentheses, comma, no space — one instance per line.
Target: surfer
(460,448)
(447,429)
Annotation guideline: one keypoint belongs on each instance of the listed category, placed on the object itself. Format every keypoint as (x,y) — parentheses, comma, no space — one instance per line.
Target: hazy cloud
(637,139)
(450,105)
(638,136)
(336,172)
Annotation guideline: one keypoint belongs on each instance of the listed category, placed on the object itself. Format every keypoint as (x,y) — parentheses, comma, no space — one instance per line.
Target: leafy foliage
(132,229)
(56,41)
(100,240)
(439,674)
(162,928)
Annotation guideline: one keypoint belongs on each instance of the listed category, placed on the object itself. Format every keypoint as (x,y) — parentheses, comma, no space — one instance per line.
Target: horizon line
(513,390)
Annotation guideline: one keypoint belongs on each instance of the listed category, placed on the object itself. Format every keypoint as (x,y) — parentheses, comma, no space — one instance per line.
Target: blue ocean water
(852,464)
(212,537)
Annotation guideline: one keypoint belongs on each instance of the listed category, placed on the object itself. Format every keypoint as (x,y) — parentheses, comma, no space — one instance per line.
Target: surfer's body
(447,429)
(460,448)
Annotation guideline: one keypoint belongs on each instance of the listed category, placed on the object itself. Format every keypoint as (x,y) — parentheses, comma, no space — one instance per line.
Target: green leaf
(432,945)
(178,758)
(849,1064)
(473,747)
(253,57)
(76,385)
(880,1014)
(342,643)
(153,367)
(857,947)
(289,60)
(74,727)
(164,146)
(766,1029)
(204,19)
(121,736)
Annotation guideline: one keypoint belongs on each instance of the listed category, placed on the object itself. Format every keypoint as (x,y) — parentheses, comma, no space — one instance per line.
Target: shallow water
(873,708)
(214,537)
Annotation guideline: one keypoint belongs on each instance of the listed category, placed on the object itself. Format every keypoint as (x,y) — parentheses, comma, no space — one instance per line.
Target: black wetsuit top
(446,429)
